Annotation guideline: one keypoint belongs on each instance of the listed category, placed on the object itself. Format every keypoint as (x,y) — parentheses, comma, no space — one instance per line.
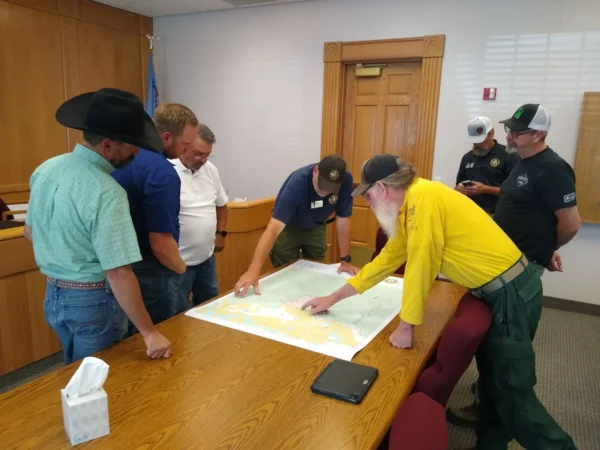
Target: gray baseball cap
(478,129)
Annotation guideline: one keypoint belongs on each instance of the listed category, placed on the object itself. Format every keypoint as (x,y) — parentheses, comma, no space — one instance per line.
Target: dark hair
(95,139)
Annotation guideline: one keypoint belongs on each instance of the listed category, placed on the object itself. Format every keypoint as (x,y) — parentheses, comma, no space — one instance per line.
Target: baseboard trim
(571,306)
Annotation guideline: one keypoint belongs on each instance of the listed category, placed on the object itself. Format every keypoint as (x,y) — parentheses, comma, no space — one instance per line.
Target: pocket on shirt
(87,312)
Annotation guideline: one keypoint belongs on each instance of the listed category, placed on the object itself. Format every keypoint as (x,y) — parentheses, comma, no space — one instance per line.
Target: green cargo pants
(508,405)
(291,240)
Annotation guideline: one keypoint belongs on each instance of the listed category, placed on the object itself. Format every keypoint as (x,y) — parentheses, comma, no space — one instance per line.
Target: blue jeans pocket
(87,312)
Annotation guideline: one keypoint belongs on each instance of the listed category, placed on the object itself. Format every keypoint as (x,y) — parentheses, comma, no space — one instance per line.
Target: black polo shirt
(491,170)
(536,188)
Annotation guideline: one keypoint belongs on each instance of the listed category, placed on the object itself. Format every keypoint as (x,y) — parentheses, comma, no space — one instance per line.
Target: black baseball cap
(374,169)
(529,117)
(332,170)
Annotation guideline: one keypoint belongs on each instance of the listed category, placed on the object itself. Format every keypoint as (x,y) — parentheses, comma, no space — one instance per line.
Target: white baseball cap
(478,129)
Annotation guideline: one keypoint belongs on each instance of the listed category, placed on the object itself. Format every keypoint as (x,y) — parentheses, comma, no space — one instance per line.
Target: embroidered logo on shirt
(411,210)
(333,199)
(522,180)
(470,165)
(334,175)
(495,162)
(569,197)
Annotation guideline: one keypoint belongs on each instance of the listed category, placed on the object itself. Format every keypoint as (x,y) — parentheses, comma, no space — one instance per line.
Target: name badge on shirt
(317,204)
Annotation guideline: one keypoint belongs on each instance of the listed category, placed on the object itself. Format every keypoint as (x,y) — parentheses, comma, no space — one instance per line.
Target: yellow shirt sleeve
(386,263)
(425,244)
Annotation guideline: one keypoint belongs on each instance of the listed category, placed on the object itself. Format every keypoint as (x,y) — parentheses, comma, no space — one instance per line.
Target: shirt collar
(81,151)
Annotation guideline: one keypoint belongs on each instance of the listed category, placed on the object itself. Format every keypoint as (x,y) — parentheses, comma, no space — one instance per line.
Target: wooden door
(380,116)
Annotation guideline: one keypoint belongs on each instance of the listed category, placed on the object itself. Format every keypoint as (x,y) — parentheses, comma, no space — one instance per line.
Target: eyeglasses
(365,193)
(517,133)
(203,155)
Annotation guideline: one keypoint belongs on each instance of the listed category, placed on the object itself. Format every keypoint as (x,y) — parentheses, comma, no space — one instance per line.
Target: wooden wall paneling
(68,8)
(587,159)
(70,70)
(31,82)
(46,5)
(108,16)
(105,58)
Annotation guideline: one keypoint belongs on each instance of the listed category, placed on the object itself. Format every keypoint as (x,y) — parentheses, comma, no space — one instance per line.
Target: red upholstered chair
(456,349)
(420,424)
(379,244)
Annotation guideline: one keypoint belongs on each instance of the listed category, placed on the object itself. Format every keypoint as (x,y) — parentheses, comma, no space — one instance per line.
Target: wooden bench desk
(225,389)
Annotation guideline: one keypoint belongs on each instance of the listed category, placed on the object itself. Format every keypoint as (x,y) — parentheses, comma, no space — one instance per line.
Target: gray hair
(206,134)
(402,178)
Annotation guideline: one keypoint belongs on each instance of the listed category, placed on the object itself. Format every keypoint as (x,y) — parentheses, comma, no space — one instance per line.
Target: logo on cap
(480,130)
(495,162)
(519,113)
(334,175)
(333,198)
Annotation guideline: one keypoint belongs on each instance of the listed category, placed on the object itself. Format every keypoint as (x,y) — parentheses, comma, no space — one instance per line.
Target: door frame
(429,50)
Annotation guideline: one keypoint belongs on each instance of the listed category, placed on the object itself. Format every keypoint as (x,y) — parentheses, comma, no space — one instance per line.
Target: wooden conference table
(225,389)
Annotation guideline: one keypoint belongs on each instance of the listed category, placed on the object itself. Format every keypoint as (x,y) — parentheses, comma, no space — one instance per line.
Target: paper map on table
(350,325)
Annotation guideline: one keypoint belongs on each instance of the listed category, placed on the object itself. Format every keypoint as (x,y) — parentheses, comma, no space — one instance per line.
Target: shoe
(466,416)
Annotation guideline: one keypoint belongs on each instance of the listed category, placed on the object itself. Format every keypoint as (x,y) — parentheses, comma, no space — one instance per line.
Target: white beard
(387,216)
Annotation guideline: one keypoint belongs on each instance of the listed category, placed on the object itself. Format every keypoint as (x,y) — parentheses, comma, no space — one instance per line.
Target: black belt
(328,221)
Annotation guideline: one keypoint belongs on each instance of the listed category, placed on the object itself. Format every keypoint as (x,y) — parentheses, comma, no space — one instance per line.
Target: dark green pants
(291,240)
(508,405)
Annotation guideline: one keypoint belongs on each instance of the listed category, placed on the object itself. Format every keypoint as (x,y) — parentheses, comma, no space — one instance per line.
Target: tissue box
(85,417)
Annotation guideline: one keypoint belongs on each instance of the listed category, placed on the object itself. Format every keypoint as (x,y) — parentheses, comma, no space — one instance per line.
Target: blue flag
(152,99)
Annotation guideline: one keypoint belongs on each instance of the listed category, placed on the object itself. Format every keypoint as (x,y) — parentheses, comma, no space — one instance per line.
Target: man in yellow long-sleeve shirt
(436,229)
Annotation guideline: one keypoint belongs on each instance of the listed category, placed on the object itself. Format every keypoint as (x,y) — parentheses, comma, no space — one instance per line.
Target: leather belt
(91,286)
(503,279)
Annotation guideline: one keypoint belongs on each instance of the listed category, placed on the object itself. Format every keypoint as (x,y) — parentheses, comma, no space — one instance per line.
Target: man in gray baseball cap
(484,168)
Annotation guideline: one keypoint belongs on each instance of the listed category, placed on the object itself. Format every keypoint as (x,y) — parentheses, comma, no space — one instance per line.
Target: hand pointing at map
(246,280)
(319,305)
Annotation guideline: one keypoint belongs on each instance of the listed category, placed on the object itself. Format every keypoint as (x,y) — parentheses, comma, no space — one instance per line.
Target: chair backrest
(380,242)
(420,424)
(456,349)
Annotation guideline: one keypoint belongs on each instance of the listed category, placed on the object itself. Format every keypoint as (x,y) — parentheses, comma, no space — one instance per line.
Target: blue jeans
(201,281)
(83,320)
(160,293)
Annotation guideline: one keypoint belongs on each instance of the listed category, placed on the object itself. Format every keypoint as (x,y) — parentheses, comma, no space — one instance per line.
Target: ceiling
(156,8)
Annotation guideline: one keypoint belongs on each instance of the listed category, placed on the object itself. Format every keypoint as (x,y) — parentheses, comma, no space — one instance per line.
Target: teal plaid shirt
(79,215)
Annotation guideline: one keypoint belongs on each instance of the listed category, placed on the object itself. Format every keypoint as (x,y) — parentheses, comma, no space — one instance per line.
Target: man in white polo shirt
(202,219)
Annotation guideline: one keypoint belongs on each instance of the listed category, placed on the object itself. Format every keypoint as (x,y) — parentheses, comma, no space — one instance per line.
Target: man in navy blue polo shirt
(153,188)
(305,201)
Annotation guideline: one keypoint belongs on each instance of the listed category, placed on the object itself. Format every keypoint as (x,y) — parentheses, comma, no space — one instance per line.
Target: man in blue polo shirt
(305,201)
(153,189)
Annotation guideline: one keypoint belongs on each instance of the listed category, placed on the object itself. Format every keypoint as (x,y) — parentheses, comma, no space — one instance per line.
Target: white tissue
(89,378)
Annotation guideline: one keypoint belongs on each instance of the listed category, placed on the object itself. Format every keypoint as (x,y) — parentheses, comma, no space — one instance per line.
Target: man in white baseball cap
(485,167)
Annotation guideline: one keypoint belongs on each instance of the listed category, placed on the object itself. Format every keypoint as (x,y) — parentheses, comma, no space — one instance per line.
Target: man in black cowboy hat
(81,229)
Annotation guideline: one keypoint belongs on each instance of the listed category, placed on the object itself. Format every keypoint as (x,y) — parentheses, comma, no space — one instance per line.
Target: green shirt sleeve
(113,235)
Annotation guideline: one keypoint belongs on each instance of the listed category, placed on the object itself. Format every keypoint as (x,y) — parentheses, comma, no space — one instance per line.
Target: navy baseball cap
(332,170)
(374,169)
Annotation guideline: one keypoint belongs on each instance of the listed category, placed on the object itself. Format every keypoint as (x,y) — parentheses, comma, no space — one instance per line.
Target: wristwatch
(222,232)
(346,258)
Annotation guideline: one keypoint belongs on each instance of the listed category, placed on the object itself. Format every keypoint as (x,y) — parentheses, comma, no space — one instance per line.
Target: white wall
(255,76)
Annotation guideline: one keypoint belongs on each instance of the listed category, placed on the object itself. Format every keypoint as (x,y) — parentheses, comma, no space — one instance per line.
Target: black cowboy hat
(112,113)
